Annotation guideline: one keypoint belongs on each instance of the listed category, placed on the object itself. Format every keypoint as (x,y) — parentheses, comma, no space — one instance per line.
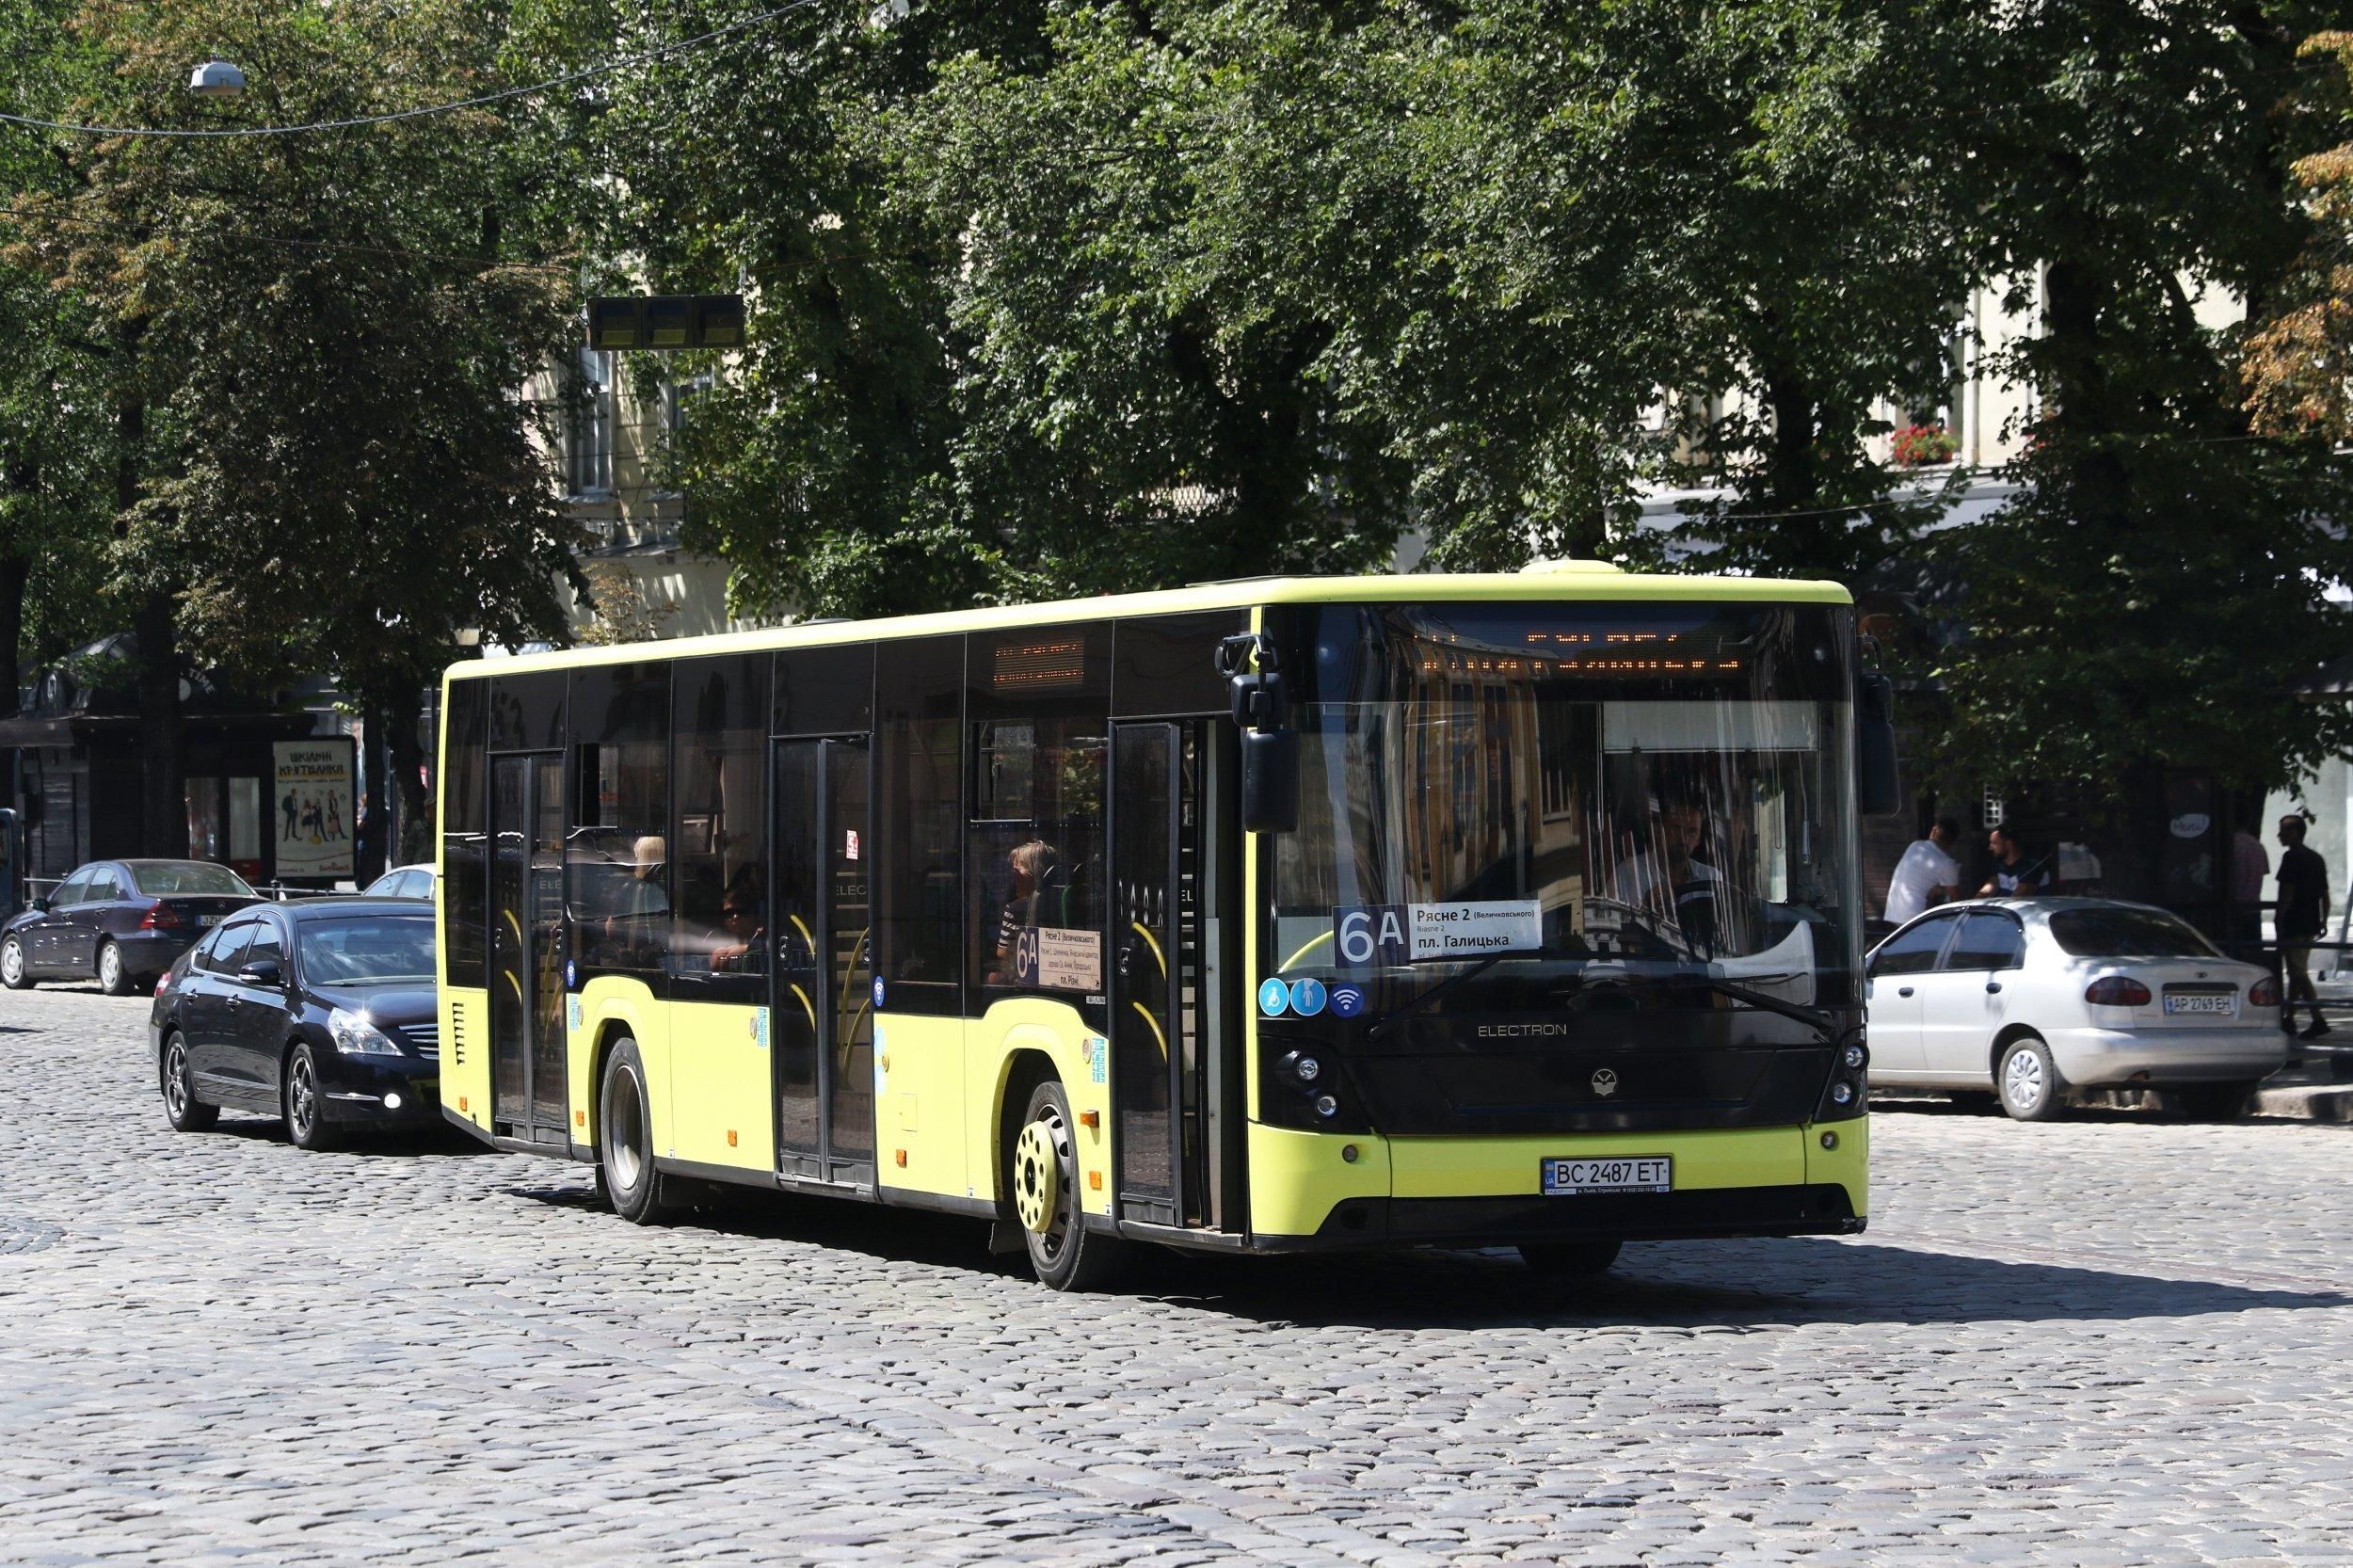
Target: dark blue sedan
(320,1014)
(120,922)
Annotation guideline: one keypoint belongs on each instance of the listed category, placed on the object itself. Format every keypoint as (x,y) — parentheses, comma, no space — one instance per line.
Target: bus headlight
(1306,1068)
(1842,1093)
(1326,1106)
(1854,1056)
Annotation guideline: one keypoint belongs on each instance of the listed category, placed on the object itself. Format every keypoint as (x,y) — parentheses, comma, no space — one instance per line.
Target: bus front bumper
(1317,1192)
(1820,1209)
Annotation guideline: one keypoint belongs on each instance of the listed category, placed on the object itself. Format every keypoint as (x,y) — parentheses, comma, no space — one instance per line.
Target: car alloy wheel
(12,972)
(305,1106)
(185,1112)
(111,978)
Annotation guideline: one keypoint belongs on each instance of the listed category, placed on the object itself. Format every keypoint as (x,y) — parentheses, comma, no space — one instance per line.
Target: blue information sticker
(1306,998)
(1274,998)
(878,991)
(1347,1001)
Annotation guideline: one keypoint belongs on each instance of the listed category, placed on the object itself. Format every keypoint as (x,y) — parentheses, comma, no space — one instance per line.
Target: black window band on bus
(618,878)
(919,889)
(824,691)
(464,786)
(1038,732)
(719,945)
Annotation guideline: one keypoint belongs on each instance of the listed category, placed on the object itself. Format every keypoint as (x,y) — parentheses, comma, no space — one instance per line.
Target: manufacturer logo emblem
(1605,1083)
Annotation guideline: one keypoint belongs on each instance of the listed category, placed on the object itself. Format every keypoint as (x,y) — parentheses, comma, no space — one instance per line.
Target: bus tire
(637,1190)
(2028,1082)
(1043,1164)
(1567,1262)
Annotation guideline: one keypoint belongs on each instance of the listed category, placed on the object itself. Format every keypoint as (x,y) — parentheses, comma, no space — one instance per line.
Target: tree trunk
(163,807)
(373,843)
(403,709)
(15,572)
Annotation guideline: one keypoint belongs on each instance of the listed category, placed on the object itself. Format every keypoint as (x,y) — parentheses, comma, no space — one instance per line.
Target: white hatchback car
(2031,997)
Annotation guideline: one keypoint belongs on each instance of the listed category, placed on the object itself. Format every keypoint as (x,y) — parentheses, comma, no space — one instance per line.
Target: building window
(588,424)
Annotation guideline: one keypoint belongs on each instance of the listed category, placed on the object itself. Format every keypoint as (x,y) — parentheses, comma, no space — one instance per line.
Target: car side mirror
(263,971)
(38,902)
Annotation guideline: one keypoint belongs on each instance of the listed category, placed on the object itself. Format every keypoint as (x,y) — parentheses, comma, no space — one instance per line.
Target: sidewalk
(2317,1085)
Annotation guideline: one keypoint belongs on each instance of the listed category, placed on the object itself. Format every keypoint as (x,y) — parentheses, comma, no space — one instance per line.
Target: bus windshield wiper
(1812,1017)
(1423,998)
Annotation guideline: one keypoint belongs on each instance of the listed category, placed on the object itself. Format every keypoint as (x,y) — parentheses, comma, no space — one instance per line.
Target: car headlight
(356,1036)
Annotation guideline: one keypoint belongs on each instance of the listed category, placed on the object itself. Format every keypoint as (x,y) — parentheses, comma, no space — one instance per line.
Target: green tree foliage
(314,345)
(2159,592)
(2298,362)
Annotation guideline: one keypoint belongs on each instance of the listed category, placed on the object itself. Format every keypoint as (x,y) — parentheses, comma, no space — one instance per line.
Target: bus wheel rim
(628,1165)
(1037,1176)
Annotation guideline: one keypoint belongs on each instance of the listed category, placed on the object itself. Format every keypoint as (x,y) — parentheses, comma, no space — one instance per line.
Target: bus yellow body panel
(721,1102)
(1297,1178)
(1848,1164)
(466,1055)
(918,1105)
(606,1002)
(1055,1031)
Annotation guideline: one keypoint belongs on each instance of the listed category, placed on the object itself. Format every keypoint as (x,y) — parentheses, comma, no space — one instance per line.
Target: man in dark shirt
(2303,913)
(2014,875)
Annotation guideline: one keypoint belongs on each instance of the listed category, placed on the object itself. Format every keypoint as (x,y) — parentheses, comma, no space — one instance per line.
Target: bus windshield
(1572,797)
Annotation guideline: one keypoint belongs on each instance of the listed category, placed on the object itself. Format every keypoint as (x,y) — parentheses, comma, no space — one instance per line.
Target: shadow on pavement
(366,1141)
(1690,1285)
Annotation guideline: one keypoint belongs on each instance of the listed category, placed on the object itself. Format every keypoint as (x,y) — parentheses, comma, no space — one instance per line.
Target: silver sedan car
(2030,997)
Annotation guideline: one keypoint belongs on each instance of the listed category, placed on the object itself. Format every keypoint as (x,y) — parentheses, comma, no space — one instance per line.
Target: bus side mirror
(1269,780)
(1269,747)
(1879,790)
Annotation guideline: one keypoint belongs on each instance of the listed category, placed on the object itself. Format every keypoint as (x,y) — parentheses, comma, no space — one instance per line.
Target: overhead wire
(645,57)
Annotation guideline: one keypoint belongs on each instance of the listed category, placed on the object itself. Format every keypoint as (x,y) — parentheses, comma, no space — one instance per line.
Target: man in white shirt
(1927,874)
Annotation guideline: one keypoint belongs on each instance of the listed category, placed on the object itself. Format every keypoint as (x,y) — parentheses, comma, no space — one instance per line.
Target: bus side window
(917,883)
(719,841)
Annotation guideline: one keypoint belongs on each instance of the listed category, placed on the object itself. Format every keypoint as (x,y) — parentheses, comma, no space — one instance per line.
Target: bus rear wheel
(625,1145)
(1042,1165)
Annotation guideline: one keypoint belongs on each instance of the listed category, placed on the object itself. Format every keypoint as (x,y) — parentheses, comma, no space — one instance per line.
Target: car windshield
(1597,793)
(371,948)
(2127,934)
(189,876)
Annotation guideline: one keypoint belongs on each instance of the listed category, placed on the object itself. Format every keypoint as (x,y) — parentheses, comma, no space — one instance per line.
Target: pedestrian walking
(2303,916)
(1927,873)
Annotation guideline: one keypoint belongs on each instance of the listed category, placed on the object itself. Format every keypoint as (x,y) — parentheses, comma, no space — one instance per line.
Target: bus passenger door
(822,1006)
(1175,1071)
(527,1040)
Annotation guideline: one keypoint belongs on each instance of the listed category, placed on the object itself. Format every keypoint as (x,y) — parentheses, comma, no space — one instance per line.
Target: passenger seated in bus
(1035,873)
(641,907)
(744,948)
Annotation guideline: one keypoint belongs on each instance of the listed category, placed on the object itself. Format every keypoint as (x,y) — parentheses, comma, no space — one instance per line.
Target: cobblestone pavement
(2108,1341)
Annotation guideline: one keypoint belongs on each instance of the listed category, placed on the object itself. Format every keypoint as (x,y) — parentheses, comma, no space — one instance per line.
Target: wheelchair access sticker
(1274,998)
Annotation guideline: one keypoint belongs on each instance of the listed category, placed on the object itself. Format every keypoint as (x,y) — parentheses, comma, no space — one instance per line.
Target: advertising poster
(311,808)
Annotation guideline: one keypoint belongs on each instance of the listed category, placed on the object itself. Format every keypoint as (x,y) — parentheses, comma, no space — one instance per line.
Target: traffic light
(667,320)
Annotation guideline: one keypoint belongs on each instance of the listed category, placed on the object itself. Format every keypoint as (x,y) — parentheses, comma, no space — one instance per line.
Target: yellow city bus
(1282,915)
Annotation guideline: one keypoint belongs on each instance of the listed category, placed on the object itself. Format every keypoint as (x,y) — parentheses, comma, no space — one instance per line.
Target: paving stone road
(2113,1340)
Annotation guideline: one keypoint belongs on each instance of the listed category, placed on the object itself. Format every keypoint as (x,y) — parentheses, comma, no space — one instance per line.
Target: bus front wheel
(1042,1167)
(625,1150)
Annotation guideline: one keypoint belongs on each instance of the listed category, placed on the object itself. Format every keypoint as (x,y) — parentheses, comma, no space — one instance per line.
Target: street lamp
(217,79)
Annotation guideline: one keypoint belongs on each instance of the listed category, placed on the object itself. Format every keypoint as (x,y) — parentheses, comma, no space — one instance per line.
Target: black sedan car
(319,1013)
(120,922)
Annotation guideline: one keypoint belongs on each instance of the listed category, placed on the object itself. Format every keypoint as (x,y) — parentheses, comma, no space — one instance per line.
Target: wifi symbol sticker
(1347,1001)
